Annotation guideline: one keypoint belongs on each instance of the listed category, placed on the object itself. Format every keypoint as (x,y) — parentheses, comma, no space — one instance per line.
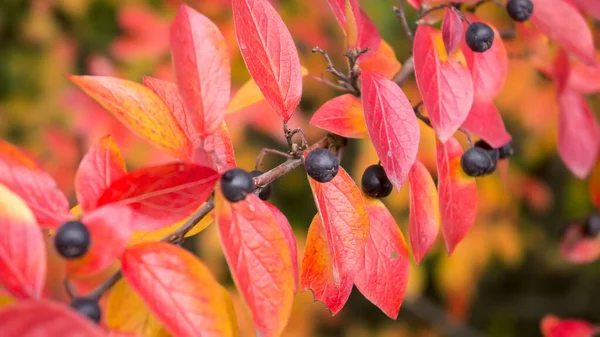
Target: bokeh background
(502,279)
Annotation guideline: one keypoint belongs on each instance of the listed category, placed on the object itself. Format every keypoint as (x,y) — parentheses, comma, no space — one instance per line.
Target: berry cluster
(482,159)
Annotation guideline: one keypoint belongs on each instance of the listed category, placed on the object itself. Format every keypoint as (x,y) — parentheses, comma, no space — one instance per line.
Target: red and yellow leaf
(553,326)
(178,289)
(270,54)
(561,22)
(159,234)
(317,272)
(161,195)
(45,318)
(352,13)
(485,121)
(140,109)
(424,221)
(259,258)
(392,126)
(100,167)
(383,274)
(452,30)
(457,194)
(360,31)
(290,238)
(346,224)
(444,82)
(34,185)
(110,230)
(22,248)
(202,68)
(342,115)
(125,311)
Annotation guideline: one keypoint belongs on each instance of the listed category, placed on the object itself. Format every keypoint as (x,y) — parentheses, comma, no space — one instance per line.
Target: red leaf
(346,226)
(170,95)
(457,194)
(285,226)
(563,23)
(201,63)
(578,133)
(45,318)
(270,54)
(594,186)
(488,70)
(578,248)
(110,230)
(592,6)
(553,326)
(161,195)
(383,274)
(34,185)
(22,248)
(178,289)
(485,121)
(317,272)
(424,221)
(452,30)
(140,109)
(392,126)
(100,167)
(220,146)
(445,84)
(259,258)
(343,116)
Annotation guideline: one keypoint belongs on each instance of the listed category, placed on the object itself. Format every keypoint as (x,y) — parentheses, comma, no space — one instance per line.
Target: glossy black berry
(265,192)
(236,184)
(591,227)
(493,153)
(476,162)
(519,10)
(479,37)
(506,150)
(375,182)
(88,308)
(72,240)
(322,165)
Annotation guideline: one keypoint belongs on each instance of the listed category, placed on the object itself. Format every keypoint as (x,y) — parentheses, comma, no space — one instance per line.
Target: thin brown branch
(330,67)
(401,14)
(407,70)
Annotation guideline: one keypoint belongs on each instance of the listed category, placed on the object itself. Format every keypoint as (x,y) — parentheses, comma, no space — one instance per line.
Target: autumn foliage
(133,268)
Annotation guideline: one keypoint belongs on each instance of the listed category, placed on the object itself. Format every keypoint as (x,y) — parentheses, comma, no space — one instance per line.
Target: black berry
(493,153)
(519,10)
(322,165)
(479,37)
(88,308)
(476,162)
(506,150)
(375,182)
(591,227)
(266,190)
(72,240)
(236,184)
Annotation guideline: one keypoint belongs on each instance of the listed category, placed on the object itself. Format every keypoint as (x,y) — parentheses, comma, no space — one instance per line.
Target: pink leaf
(452,30)
(424,221)
(553,326)
(201,62)
(392,126)
(382,275)
(457,194)
(485,121)
(445,84)
(592,6)
(285,226)
(270,54)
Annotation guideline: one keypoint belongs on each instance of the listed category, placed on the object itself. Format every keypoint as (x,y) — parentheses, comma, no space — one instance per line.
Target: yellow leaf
(125,311)
(351,26)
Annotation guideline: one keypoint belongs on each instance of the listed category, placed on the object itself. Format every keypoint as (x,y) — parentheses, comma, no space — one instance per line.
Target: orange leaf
(383,274)
(343,116)
(34,185)
(45,318)
(258,255)
(161,195)
(140,109)
(178,289)
(553,326)
(22,248)
(110,230)
(383,61)
(424,222)
(350,10)
(201,62)
(457,194)
(100,167)
(317,270)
